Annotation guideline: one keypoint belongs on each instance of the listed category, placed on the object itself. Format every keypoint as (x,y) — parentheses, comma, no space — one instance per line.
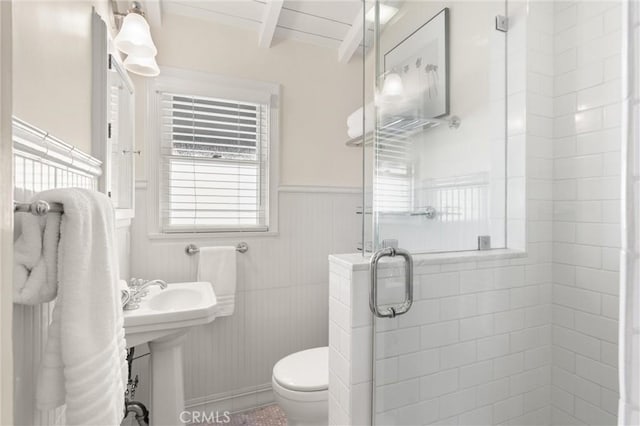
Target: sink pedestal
(162,320)
(167,383)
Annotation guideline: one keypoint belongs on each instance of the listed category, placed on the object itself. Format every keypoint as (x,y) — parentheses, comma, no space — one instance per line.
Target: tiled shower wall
(586,211)
(476,346)
(479,339)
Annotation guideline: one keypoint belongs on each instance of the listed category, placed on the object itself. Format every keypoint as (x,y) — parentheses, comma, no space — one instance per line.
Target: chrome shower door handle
(391,310)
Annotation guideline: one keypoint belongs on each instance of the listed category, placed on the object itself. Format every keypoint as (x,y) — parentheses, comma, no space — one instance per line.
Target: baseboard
(234,401)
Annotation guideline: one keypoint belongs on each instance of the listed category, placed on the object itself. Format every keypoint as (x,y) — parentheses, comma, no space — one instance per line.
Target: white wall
(283,279)
(586,211)
(282,295)
(6,219)
(52,66)
(318,93)
(52,69)
(629,350)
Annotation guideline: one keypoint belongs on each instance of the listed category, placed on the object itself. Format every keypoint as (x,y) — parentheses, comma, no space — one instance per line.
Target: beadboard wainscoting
(282,300)
(41,162)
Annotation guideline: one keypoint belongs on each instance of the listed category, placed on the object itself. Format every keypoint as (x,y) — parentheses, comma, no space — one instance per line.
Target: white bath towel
(35,272)
(84,364)
(217,265)
(354,121)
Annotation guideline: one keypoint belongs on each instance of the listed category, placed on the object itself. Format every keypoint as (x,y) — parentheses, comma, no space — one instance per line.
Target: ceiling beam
(353,38)
(269,22)
(153,12)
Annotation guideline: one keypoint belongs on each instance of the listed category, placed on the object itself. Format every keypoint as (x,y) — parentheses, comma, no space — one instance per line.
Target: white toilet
(301,387)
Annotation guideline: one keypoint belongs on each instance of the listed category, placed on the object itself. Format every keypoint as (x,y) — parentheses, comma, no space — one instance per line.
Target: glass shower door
(439,155)
(439,185)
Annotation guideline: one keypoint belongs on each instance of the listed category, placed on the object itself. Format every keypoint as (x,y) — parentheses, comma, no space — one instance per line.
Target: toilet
(300,384)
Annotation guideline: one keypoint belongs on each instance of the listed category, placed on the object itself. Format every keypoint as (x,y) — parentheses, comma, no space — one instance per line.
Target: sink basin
(174,299)
(164,312)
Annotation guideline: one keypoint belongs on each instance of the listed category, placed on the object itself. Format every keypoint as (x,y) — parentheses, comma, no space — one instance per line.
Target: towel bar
(192,249)
(37,208)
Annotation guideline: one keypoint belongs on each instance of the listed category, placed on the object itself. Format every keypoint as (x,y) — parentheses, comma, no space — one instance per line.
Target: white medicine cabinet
(113,121)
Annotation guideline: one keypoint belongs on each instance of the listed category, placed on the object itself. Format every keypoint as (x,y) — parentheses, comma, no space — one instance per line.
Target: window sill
(188,236)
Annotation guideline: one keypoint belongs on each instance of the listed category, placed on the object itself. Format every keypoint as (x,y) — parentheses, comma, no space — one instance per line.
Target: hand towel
(355,118)
(35,272)
(354,121)
(217,265)
(84,363)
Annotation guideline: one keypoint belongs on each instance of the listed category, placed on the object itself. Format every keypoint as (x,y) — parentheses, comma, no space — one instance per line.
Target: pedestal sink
(162,321)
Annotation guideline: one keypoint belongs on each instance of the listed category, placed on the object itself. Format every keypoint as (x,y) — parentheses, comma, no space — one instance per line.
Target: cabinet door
(120,138)
(112,121)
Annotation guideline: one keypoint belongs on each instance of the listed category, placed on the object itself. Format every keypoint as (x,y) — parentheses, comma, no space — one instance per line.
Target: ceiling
(335,24)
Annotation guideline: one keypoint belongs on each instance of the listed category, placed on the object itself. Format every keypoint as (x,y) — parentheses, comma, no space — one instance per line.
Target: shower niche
(439,145)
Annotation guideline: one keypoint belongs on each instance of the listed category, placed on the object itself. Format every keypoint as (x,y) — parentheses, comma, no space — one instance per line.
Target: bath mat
(270,415)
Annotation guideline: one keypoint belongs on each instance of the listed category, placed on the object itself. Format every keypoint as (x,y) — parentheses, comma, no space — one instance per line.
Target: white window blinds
(214,164)
(394,172)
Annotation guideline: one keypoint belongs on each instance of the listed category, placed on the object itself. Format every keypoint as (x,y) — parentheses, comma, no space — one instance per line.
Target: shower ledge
(358,262)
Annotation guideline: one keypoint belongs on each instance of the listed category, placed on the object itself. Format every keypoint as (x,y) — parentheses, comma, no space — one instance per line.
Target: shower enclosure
(439,184)
(493,212)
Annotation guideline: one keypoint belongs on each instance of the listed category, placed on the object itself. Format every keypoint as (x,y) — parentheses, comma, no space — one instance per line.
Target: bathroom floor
(270,415)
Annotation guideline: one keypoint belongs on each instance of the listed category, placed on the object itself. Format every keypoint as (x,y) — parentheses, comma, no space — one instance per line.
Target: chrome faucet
(142,288)
(138,289)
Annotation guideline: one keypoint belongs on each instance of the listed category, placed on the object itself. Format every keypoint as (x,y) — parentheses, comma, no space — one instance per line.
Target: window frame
(196,83)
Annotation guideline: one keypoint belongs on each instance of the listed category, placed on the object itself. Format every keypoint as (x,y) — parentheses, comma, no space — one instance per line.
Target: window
(394,175)
(214,151)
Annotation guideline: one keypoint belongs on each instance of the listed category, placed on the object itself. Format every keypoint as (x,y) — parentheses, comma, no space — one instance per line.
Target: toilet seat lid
(304,371)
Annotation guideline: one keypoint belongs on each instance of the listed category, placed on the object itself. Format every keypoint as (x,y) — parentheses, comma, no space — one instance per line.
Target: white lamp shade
(134,37)
(143,65)
(392,87)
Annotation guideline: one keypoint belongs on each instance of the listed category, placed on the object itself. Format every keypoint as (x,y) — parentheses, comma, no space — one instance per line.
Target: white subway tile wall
(532,340)
(449,358)
(586,212)
(499,341)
